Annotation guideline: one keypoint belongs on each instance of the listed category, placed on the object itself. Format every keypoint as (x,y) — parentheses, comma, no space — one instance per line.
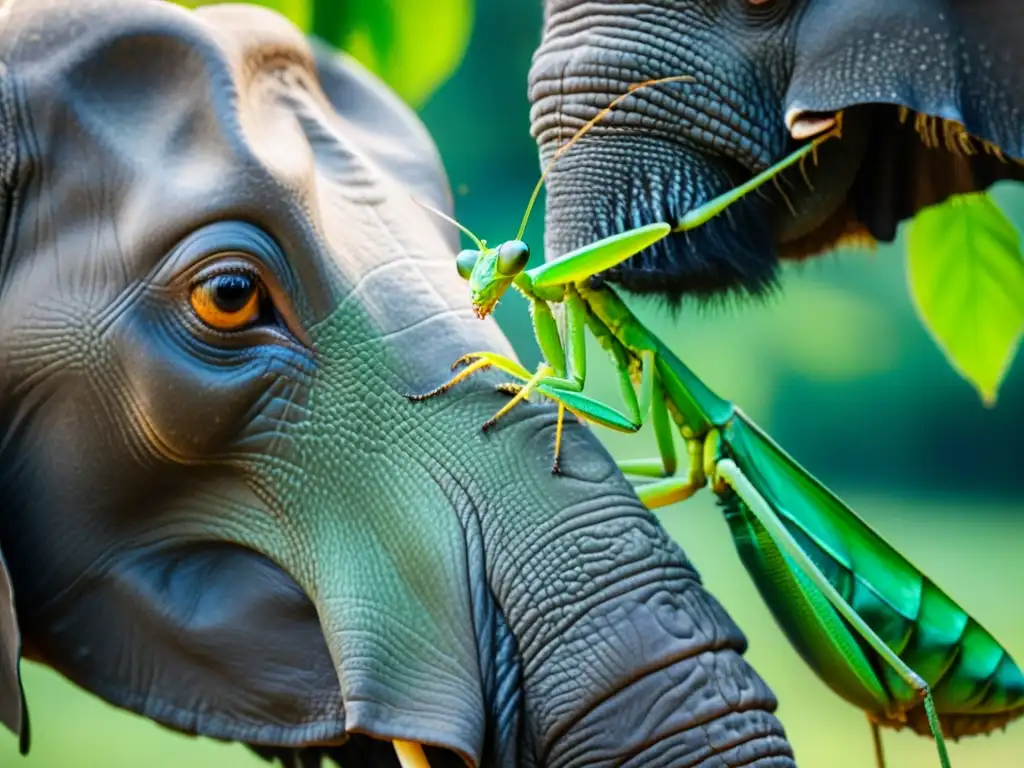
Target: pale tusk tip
(410,754)
(803,125)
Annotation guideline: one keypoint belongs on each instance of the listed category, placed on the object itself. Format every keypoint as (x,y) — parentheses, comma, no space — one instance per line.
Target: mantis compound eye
(512,257)
(465,262)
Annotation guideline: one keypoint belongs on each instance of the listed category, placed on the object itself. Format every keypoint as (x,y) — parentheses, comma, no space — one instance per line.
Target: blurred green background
(836,367)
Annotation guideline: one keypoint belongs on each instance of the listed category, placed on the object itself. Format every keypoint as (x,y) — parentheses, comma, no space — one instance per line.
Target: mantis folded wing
(871,625)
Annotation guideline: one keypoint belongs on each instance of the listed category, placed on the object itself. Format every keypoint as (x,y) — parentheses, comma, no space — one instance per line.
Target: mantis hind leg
(876,738)
(671,489)
(727,473)
(666,464)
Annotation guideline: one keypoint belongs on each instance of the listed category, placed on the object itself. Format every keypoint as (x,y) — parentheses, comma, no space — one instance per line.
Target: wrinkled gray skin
(253,534)
(762,69)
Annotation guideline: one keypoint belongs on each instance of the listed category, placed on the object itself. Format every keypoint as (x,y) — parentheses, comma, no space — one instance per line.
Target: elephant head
(927,92)
(220,509)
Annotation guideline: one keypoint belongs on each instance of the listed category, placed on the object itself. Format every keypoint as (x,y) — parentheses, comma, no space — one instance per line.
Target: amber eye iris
(227,302)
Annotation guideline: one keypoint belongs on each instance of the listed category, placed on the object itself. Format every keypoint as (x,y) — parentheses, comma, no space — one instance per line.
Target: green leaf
(413,45)
(298,11)
(966,276)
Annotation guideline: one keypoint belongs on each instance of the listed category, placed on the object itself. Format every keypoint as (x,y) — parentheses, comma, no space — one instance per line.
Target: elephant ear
(13,713)
(936,81)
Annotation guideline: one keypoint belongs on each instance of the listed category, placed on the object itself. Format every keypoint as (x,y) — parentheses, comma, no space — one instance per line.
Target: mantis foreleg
(559,371)
(569,362)
(475,362)
(728,473)
(542,373)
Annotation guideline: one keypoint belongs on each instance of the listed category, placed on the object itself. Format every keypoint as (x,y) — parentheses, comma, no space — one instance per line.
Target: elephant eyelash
(954,137)
(765,11)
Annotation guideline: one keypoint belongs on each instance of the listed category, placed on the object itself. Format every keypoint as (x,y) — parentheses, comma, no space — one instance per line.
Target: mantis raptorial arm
(726,472)
(410,754)
(569,362)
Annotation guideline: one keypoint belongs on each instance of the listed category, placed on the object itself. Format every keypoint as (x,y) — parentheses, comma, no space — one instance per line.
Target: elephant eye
(765,11)
(230,301)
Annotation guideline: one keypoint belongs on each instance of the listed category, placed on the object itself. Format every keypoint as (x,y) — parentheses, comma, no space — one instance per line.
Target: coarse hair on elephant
(928,95)
(221,511)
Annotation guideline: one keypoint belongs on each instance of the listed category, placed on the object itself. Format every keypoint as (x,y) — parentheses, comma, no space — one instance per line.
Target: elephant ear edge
(958,61)
(935,82)
(13,711)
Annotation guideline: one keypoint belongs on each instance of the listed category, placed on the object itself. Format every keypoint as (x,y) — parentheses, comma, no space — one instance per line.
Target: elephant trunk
(530,618)
(624,658)
(628,172)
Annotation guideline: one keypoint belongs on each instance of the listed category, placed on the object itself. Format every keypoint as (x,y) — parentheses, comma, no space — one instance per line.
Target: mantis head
(490,271)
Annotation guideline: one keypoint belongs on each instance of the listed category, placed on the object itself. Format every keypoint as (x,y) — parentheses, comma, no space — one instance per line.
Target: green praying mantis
(874,628)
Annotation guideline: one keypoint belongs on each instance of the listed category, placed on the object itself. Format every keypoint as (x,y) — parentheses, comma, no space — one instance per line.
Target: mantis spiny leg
(729,473)
(621,360)
(554,373)
(675,489)
(410,754)
(477,361)
(876,738)
(543,372)
(583,408)
(558,437)
(465,373)
(666,464)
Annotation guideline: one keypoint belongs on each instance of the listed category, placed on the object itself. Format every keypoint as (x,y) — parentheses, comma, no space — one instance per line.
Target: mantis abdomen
(975,684)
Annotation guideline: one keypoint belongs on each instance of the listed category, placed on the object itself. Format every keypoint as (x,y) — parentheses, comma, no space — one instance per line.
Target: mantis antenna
(481,244)
(586,127)
(576,137)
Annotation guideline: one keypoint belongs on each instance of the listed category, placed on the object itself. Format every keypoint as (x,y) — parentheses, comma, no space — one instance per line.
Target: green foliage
(413,45)
(966,275)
